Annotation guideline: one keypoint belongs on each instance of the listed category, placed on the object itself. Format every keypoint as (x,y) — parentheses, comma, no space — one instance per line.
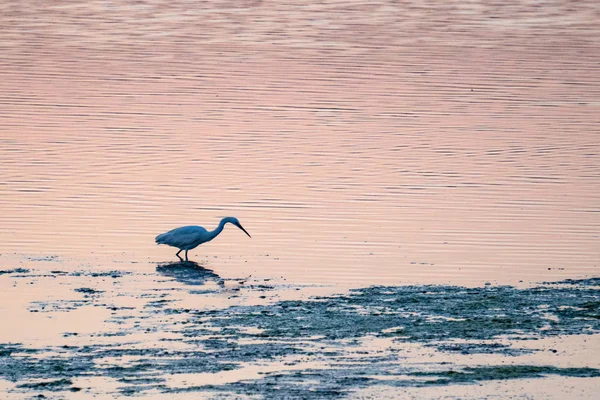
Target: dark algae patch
(59,384)
(428,313)
(480,348)
(14,271)
(475,374)
(323,347)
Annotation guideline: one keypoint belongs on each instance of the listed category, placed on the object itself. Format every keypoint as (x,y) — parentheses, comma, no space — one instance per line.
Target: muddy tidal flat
(181,330)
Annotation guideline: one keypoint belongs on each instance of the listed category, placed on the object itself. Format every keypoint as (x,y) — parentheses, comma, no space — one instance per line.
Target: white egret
(189,237)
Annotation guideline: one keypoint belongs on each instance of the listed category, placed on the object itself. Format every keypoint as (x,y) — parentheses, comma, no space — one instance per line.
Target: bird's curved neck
(218,229)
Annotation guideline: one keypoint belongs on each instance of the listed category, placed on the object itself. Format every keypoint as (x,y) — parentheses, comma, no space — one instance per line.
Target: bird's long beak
(242,228)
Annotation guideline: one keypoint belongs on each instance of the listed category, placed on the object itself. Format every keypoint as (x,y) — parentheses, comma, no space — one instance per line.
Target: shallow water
(356,142)
(359,143)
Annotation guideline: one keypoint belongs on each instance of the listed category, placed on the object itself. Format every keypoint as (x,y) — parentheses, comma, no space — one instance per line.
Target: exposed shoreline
(183,330)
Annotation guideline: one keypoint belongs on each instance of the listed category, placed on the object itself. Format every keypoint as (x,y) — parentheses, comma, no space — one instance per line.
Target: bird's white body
(189,237)
(186,237)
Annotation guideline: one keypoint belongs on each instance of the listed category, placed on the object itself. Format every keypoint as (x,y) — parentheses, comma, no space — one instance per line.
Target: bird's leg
(178,255)
(186,255)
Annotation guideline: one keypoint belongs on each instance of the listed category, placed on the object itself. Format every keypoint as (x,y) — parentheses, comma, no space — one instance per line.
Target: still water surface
(357,143)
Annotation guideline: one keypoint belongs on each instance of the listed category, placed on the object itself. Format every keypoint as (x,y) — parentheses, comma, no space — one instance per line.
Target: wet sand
(181,330)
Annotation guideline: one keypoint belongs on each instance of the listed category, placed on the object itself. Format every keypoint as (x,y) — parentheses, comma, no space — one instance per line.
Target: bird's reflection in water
(189,272)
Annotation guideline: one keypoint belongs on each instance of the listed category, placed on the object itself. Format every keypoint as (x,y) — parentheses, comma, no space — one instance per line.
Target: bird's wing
(180,237)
